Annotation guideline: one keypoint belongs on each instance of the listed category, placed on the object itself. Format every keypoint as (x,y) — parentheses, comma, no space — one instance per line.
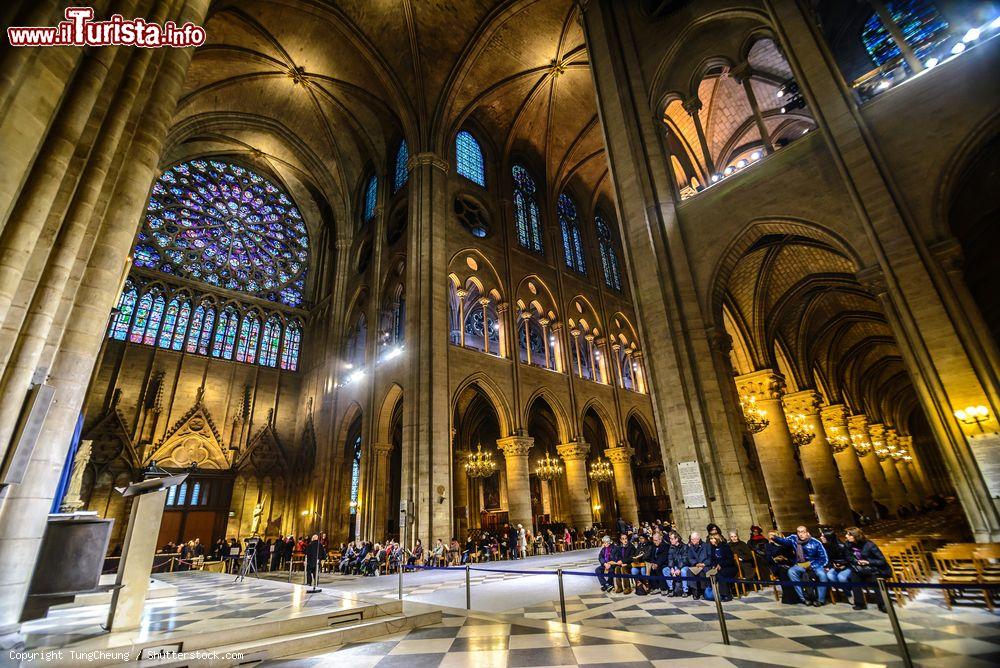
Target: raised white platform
(226,622)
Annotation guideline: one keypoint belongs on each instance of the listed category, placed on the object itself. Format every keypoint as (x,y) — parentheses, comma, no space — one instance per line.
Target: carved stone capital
(741,72)
(575,451)
(382,448)
(891,437)
(806,402)
(877,432)
(692,105)
(427,158)
(873,280)
(906,442)
(719,340)
(764,385)
(619,455)
(834,414)
(949,254)
(858,424)
(515,446)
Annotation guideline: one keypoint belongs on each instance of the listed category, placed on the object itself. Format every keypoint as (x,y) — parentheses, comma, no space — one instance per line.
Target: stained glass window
(355,474)
(121,320)
(141,318)
(469,158)
(153,326)
(225,334)
(169,321)
(628,374)
(922,26)
(402,173)
(529,227)
(182,320)
(246,351)
(225,225)
(270,343)
(290,350)
(371,198)
(609,256)
(569,223)
(206,331)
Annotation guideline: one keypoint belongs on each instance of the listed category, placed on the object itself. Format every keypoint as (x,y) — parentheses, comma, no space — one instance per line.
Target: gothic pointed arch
(193,440)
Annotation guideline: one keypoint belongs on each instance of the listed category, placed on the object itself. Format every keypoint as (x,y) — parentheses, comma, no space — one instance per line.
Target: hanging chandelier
(801,431)
(881,454)
(480,464)
(754,416)
(897,454)
(601,471)
(548,468)
(861,446)
(839,443)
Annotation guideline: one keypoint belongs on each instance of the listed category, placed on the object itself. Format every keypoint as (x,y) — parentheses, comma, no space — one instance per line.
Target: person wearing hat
(605,567)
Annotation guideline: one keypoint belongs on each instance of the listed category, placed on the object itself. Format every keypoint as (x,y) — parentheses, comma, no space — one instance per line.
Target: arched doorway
(602,494)
(647,472)
(546,495)
(480,503)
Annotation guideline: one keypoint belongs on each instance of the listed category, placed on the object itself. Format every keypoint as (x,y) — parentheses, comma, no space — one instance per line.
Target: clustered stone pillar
(910,494)
(832,506)
(575,457)
(377,510)
(880,445)
(859,494)
(923,487)
(621,461)
(786,487)
(515,452)
(862,443)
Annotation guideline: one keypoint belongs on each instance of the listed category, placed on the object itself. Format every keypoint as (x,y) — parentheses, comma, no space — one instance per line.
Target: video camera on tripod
(249,563)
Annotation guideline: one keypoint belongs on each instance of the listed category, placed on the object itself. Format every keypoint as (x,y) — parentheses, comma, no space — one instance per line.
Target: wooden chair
(956,565)
(987,560)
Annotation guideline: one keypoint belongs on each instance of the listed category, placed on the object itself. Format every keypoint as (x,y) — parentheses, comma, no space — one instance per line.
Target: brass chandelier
(754,416)
(839,442)
(861,446)
(548,468)
(601,471)
(480,464)
(802,433)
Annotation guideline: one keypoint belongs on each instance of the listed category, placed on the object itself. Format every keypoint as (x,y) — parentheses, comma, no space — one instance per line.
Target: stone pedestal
(852,476)
(832,506)
(628,505)
(786,487)
(575,458)
(515,452)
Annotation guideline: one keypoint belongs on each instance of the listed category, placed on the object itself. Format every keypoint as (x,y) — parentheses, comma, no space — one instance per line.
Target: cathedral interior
(734,254)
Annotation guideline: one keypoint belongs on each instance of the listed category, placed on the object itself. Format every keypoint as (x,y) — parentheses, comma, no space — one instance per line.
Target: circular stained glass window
(225,225)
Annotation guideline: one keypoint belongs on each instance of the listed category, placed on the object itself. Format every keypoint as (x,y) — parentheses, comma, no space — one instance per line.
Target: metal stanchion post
(401,562)
(562,596)
(717,595)
(890,610)
(468,589)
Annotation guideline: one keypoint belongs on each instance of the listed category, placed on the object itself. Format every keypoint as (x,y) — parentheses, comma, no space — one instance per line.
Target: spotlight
(715,177)
(883,84)
(995,25)
(781,91)
(972,35)
(755,155)
(741,164)
(728,171)
(958,48)
(395,352)
(931,62)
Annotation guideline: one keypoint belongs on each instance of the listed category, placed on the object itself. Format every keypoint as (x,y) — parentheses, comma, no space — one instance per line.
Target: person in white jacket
(522,541)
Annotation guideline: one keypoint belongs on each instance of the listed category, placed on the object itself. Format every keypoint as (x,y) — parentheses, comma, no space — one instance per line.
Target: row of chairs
(970,564)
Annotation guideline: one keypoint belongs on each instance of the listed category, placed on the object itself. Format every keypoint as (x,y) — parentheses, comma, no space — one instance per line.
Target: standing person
(522,541)
(809,557)
(550,540)
(567,539)
(699,556)
(605,563)
(867,563)
(723,564)
(315,554)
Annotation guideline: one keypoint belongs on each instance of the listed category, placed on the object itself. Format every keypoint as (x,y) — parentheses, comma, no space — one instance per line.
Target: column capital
(834,414)
(877,432)
(515,446)
(382,448)
(719,340)
(764,384)
(858,423)
(574,451)
(427,158)
(806,402)
(891,437)
(873,280)
(741,72)
(692,105)
(905,441)
(620,454)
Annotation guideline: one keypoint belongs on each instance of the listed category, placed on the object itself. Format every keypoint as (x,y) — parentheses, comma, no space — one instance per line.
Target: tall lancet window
(526,216)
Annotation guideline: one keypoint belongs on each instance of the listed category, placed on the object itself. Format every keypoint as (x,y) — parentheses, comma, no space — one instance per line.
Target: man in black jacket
(676,562)
(315,554)
(699,556)
(605,559)
(657,564)
(623,565)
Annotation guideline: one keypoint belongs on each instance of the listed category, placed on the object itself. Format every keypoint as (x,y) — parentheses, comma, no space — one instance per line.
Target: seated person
(656,564)
(867,563)
(837,568)
(623,565)
(640,555)
(723,563)
(676,563)
(779,557)
(699,556)
(809,557)
(605,564)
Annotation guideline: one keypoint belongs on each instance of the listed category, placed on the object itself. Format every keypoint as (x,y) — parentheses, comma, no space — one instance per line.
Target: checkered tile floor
(202,599)
(964,636)
(484,642)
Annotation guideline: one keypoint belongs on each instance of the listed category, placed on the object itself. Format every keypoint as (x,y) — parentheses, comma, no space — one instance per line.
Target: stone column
(859,494)
(575,458)
(376,507)
(743,73)
(426,425)
(628,504)
(862,444)
(25,507)
(924,488)
(910,493)
(515,453)
(881,448)
(832,506)
(786,487)
(693,107)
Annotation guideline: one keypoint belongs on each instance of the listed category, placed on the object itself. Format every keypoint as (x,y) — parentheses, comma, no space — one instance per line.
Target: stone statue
(258,512)
(72,502)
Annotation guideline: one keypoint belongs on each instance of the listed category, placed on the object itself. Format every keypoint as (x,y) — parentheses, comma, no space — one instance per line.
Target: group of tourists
(652,559)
